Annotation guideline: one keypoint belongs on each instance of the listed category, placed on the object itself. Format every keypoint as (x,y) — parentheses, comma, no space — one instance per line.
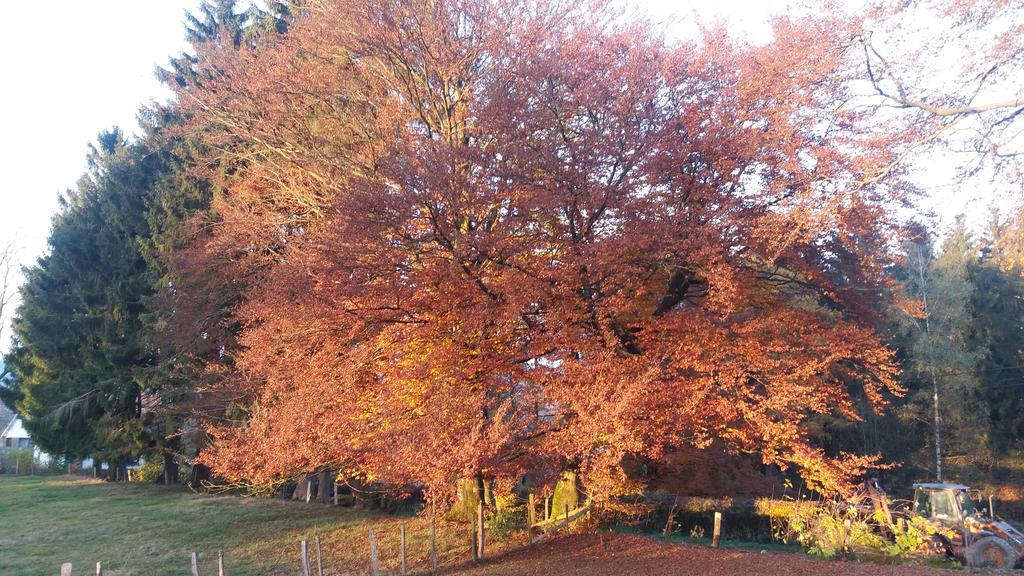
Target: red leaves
(481,243)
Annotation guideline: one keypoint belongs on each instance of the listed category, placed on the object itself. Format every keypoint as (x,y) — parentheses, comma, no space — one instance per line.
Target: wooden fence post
(374,560)
(319,558)
(472,538)
(195,564)
(531,512)
(718,530)
(480,530)
(65,569)
(220,563)
(402,550)
(305,558)
(433,544)
(335,492)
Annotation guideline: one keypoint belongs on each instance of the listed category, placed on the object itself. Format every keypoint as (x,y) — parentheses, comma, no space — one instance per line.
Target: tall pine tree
(81,353)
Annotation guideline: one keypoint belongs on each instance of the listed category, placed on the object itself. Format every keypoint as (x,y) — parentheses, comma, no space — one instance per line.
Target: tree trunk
(937,420)
(200,474)
(938,430)
(325,487)
(301,488)
(481,491)
(117,471)
(171,470)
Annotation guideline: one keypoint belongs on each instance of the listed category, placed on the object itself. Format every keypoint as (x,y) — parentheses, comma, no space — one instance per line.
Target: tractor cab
(944,503)
(974,536)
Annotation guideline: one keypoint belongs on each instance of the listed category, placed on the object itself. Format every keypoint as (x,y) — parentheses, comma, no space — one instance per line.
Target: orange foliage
(490,237)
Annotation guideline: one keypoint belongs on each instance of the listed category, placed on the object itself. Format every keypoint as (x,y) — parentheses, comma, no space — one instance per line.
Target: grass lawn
(152,530)
(725,544)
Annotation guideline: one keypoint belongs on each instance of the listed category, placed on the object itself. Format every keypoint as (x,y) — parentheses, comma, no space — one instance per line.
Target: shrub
(699,504)
(830,532)
(149,473)
(20,461)
(783,509)
(506,521)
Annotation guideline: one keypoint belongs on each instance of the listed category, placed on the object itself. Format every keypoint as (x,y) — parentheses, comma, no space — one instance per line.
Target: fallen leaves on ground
(615,554)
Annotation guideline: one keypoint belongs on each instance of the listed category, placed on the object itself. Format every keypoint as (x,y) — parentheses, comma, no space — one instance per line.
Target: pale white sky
(88,66)
(84,67)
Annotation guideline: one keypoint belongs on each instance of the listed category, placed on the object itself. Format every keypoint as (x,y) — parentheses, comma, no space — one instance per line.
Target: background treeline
(130,327)
(956,322)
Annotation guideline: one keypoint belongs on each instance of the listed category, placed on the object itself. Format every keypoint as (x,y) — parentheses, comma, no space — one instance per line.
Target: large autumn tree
(481,241)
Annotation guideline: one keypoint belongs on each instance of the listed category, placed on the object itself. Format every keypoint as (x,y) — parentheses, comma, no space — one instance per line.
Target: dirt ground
(608,555)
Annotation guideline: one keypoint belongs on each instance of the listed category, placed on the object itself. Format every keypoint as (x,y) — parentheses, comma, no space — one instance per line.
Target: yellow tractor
(977,537)
(966,530)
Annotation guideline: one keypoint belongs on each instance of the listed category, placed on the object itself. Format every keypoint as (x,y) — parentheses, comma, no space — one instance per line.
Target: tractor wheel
(993,552)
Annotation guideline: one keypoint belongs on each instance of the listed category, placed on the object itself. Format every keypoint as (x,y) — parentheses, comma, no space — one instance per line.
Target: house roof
(6,417)
(6,414)
(14,429)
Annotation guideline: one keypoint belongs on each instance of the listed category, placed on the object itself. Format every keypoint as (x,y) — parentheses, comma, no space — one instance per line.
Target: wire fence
(381,550)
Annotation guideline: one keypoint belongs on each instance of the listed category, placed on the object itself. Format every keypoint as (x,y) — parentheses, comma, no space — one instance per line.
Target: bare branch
(902,100)
(8,272)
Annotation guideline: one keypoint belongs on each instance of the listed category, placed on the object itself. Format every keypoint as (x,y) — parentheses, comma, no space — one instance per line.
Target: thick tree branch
(902,100)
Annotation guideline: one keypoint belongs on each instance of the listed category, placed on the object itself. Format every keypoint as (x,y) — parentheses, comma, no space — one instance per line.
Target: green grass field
(152,530)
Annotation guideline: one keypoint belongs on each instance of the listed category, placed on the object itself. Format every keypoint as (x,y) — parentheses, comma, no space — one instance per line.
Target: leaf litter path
(615,555)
